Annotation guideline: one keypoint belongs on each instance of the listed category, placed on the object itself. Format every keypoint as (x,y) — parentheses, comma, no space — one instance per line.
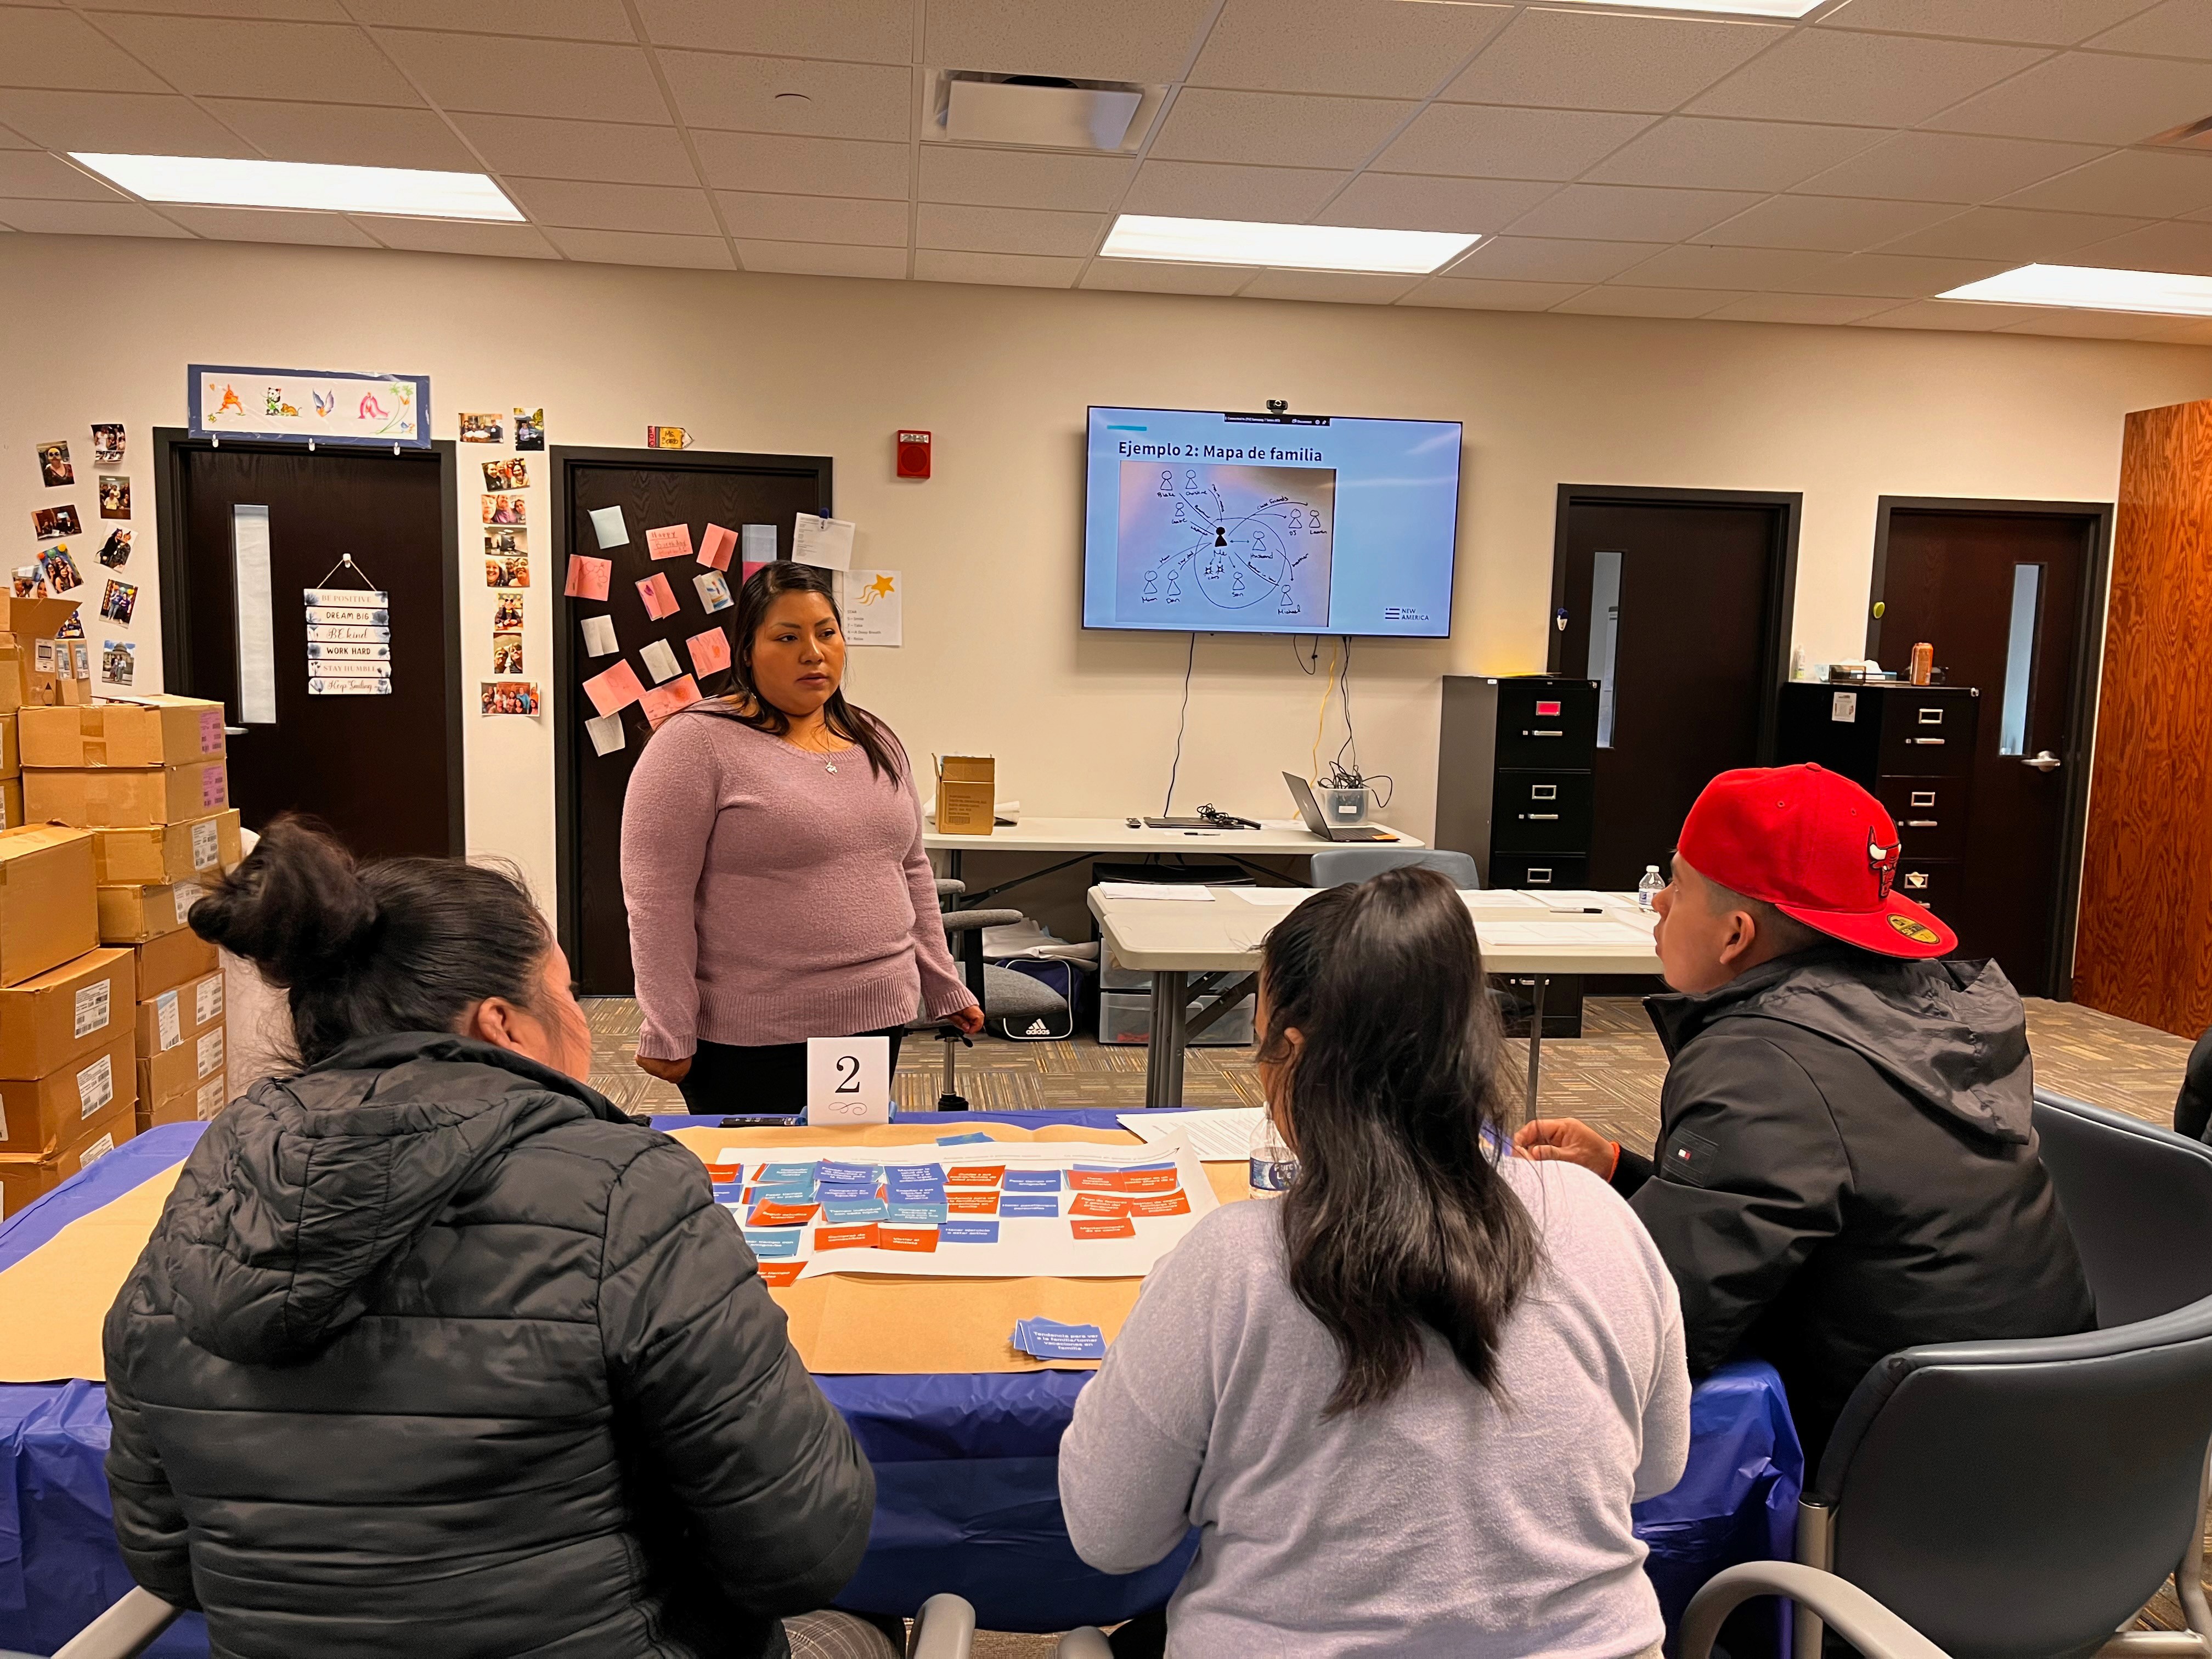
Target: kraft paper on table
(54,1301)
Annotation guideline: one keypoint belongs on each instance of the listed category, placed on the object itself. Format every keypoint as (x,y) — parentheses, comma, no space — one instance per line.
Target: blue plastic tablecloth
(966,1488)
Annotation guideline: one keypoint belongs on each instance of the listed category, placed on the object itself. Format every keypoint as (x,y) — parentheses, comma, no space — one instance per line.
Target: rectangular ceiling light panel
(2085,287)
(1718,7)
(214,181)
(1285,247)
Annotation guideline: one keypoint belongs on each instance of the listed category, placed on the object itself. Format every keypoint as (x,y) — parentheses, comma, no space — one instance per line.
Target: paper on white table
(1221,1135)
(1273,898)
(1504,898)
(1577,898)
(1561,934)
(1174,892)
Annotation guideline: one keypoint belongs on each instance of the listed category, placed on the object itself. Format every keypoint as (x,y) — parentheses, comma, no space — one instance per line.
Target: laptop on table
(1309,809)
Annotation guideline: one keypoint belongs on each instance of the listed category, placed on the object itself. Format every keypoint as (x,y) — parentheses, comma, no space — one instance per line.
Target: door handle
(2045,761)
(233,731)
(1922,824)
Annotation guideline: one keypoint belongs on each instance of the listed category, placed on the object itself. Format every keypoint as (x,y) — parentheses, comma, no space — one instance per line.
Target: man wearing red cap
(1846,1164)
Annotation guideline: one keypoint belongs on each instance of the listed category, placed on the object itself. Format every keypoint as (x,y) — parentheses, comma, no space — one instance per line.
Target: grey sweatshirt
(1441,1521)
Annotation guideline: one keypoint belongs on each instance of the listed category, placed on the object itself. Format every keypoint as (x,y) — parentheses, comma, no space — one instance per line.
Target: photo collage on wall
(507,514)
(68,562)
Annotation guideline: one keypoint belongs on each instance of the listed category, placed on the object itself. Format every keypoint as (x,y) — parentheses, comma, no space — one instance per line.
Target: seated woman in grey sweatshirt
(1408,1405)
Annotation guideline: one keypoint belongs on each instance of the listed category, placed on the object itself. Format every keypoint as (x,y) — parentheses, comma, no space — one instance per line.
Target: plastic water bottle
(1648,888)
(1274,1166)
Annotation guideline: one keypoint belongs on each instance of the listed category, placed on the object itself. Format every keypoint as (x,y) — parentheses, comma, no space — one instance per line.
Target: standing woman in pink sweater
(773,867)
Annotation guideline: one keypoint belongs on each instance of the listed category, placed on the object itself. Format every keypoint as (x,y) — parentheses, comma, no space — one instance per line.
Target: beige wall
(100,329)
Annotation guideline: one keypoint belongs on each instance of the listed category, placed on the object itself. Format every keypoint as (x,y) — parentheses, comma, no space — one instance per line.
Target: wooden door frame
(171,445)
(562,462)
(1782,585)
(2096,519)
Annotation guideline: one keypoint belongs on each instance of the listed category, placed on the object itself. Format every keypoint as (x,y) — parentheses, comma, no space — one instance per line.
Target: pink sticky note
(660,598)
(710,652)
(751,565)
(616,689)
(715,546)
(665,700)
(671,541)
(588,578)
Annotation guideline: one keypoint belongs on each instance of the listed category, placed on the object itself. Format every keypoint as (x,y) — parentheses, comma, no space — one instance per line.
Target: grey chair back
(2017,1500)
(1345,867)
(2138,1199)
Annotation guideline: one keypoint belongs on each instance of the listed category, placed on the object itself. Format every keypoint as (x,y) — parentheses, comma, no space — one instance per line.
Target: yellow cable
(1320,714)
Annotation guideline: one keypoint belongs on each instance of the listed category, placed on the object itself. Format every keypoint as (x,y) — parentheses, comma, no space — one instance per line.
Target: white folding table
(1219,943)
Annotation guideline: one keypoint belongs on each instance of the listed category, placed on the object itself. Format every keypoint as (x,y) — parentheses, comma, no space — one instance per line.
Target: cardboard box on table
(967,795)
(172,960)
(50,1019)
(134,915)
(26,1176)
(39,1115)
(200,849)
(183,1069)
(113,797)
(125,731)
(48,915)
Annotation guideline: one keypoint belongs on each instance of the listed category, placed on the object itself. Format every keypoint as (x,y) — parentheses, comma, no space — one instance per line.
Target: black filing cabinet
(1913,747)
(1514,777)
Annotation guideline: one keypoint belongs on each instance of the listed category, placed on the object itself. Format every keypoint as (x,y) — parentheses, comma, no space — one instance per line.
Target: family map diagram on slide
(1226,545)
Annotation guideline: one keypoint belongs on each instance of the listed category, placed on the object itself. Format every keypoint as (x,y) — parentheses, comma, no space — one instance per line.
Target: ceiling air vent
(2193,135)
(1041,112)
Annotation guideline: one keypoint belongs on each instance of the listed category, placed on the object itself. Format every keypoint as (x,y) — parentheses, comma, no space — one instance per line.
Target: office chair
(2138,1199)
(1342,866)
(1003,994)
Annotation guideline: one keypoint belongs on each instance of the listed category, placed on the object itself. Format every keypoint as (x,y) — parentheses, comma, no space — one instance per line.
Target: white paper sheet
(1274,898)
(599,637)
(1505,898)
(606,733)
(1561,934)
(1222,1135)
(607,524)
(1169,892)
(824,542)
(1575,898)
(659,658)
(757,543)
(874,601)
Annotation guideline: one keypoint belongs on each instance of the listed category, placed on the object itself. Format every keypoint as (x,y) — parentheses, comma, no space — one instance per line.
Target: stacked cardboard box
(124,763)
(11,769)
(181,1033)
(68,1044)
(38,668)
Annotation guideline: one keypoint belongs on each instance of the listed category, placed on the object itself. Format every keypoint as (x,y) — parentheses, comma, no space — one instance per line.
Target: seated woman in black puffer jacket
(433,1350)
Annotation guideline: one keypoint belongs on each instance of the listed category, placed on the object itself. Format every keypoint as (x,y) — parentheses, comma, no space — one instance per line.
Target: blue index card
(919,1214)
(914,1175)
(959,1140)
(873,1210)
(1031,1180)
(1029,1204)
(781,1242)
(845,1175)
(1070,1342)
(927,1192)
(776,1172)
(845,1192)
(967,1232)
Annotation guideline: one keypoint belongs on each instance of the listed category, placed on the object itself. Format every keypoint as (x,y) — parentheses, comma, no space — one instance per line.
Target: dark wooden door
(383,771)
(1687,603)
(652,490)
(2001,596)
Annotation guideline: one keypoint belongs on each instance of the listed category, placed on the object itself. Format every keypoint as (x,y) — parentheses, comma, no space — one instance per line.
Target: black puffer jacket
(432,1352)
(1847,1166)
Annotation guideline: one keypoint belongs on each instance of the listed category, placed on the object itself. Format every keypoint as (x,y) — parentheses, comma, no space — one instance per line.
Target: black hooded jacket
(434,1352)
(2192,1108)
(1847,1166)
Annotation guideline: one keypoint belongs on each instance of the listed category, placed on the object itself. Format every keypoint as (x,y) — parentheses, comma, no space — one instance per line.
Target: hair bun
(297,907)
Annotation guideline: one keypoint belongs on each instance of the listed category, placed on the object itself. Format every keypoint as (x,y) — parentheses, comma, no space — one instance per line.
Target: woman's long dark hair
(763,589)
(1399,1221)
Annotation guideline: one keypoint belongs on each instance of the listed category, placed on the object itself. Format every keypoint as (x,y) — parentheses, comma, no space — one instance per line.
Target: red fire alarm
(914,454)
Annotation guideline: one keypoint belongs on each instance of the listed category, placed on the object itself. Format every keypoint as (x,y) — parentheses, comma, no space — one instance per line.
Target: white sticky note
(873,601)
(757,543)
(599,637)
(606,733)
(660,659)
(848,1080)
(824,542)
(607,524)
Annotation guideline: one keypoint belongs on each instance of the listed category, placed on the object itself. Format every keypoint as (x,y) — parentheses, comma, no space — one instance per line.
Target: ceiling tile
(1798,308)
(1630,212)
(349,136)
(1195,190)
(1006,269)
(509,75)
(2181,247)
(1607,60)
(2013,235)
(1865,80)
(1412,201)
(1839,224)
(1012,178)
(2082,325)
(544,20)
(1941,166)
(2030,22)
(35,174)
(87,219)
(1709,154)
(615,153)
(42,47)
(1539,259)
(1763,269)
(1008,230)
(459,236)
(310,11)
(792,95)
(129,123)
(219,58)
(803,166)
(824,260)
(1276,129)
(1157,277)
(1131,41)
(1378,48)
(625,247)
(1337,287)
(1950,316)
(813,219)
(1478,141)
(1646,302)
(669,210)
(1469,295)
(1904,277)
(869,31)
(2090,98)
(2179,28)
(2156,185)
(265,225)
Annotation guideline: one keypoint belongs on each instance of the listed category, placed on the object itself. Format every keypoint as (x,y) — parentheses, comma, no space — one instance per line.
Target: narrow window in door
(2020,660)
(256,637)
(1604,636)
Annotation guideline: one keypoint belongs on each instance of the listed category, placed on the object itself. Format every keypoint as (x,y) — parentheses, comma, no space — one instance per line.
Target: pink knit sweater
(772,900)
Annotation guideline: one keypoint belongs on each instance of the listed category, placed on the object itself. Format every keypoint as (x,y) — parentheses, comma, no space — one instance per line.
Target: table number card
(848,1080)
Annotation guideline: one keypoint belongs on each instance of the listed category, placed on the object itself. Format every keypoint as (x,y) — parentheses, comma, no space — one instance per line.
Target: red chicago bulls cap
(1816,847)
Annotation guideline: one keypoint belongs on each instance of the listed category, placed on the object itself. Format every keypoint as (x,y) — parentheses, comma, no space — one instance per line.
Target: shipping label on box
(51,1017)
(211,1097)
(208,1054)
(48,915)
(966,794)
(39,1114)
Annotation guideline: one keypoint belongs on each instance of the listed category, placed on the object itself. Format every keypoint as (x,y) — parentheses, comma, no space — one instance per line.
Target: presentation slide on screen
(1270,524)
